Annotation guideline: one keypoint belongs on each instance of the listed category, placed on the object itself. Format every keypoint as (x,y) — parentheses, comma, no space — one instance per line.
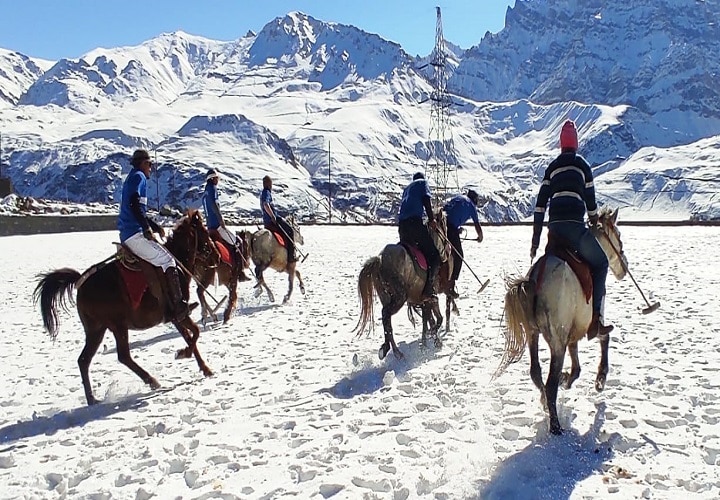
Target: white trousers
(150,251)
(227,235)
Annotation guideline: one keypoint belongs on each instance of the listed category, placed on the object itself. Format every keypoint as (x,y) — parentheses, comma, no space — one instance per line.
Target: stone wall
(36,224)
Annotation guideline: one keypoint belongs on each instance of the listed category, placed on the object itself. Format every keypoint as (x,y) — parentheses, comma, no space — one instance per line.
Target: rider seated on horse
(273,222)
(216,223)
(459,210)
(415,198)
(568,186)
(136,233)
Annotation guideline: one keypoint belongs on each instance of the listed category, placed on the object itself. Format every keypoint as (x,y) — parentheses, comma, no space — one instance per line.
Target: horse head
(608,235)
(296,231)
(190,240)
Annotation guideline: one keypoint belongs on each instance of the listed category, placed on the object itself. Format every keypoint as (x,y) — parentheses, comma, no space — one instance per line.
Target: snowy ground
(288,413)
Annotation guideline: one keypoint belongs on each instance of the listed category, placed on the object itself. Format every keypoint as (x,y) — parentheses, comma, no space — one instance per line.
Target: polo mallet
(482,285)
(650,307)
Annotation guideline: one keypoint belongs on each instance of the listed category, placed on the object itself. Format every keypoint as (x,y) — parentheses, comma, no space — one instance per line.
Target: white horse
(561,310)
(266,251)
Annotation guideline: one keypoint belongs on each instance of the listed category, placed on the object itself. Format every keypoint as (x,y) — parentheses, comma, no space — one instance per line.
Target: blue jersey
(266,197)
(210,206)
(412,199)
(127,223)
(459,210)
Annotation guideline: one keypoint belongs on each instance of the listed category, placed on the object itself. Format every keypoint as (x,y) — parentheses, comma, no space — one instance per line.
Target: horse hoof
(207,372)
(154,384)
(438,343)
(183,353)
(382,352)
(556,430)
(91,401)
(600,383)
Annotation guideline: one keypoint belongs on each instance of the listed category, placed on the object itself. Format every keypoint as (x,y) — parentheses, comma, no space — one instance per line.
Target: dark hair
(139,156)
(473,196)
(418,175)
(267,182)
(211,174)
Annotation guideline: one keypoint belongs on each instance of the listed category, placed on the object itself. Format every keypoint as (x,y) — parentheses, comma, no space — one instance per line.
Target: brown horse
(396,279)
(228,275)
(103,303)
(267,252)
(561,310)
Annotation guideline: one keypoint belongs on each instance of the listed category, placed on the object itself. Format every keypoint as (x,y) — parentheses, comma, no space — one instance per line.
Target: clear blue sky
(53,29)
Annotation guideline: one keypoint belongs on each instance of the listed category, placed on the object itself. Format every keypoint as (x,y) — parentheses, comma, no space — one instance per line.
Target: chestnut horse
(103,303)
(207,268)
(561,310)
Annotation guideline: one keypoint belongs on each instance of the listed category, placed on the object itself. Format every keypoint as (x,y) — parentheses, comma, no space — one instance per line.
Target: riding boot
(291,254)
(179,308)
(597,326)
(429,290)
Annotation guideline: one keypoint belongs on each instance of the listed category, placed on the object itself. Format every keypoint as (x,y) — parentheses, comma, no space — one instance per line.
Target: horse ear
(615,215)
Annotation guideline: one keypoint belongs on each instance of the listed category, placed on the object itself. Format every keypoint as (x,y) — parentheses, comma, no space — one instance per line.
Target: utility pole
(439,145)
(157,181)
(329,187)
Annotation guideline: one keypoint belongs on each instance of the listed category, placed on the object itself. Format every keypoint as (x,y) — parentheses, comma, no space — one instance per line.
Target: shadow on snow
(369,379)
(551,466)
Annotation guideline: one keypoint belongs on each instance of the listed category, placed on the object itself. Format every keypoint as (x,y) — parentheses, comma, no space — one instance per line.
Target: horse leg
(448,301)
(604,366)
(387,312)
(535,368)
(301,285)
(291,281)
(232,300)
(123,352)
(186,327)
(551,389)
(567,379)
(93,339)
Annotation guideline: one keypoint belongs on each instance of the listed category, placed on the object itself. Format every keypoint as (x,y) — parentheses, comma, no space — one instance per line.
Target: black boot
(429,290)
(179,308)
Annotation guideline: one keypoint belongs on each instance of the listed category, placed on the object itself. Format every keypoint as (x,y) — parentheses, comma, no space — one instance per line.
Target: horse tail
(55,289)
(519,322)
(366,291)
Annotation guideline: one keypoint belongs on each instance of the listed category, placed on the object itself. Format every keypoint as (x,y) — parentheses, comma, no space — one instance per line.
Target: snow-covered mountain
(328,109)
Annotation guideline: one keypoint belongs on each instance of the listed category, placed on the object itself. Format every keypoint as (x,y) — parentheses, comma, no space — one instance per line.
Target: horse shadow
(551,466)
(370,379)
(169,335)
(70,418)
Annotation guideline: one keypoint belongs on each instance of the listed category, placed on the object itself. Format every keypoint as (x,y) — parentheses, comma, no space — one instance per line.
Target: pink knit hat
(568,136)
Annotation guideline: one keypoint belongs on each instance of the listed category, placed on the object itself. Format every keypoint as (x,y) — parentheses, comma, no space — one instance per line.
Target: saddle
(137,275)
(227,253)
(562,249)
(417,256)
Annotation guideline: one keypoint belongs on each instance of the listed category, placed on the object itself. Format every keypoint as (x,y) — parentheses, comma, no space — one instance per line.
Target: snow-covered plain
(289,414)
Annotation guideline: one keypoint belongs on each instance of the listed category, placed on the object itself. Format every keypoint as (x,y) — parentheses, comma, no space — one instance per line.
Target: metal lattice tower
(440,144)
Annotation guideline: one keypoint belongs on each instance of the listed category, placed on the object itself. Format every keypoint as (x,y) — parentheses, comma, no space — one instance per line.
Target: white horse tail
(369,274)
(519,320)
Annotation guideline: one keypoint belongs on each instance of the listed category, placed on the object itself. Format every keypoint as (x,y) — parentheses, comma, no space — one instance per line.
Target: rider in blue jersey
(459,210)
(136,232)
(416,199)
(273,222)
(216,222)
